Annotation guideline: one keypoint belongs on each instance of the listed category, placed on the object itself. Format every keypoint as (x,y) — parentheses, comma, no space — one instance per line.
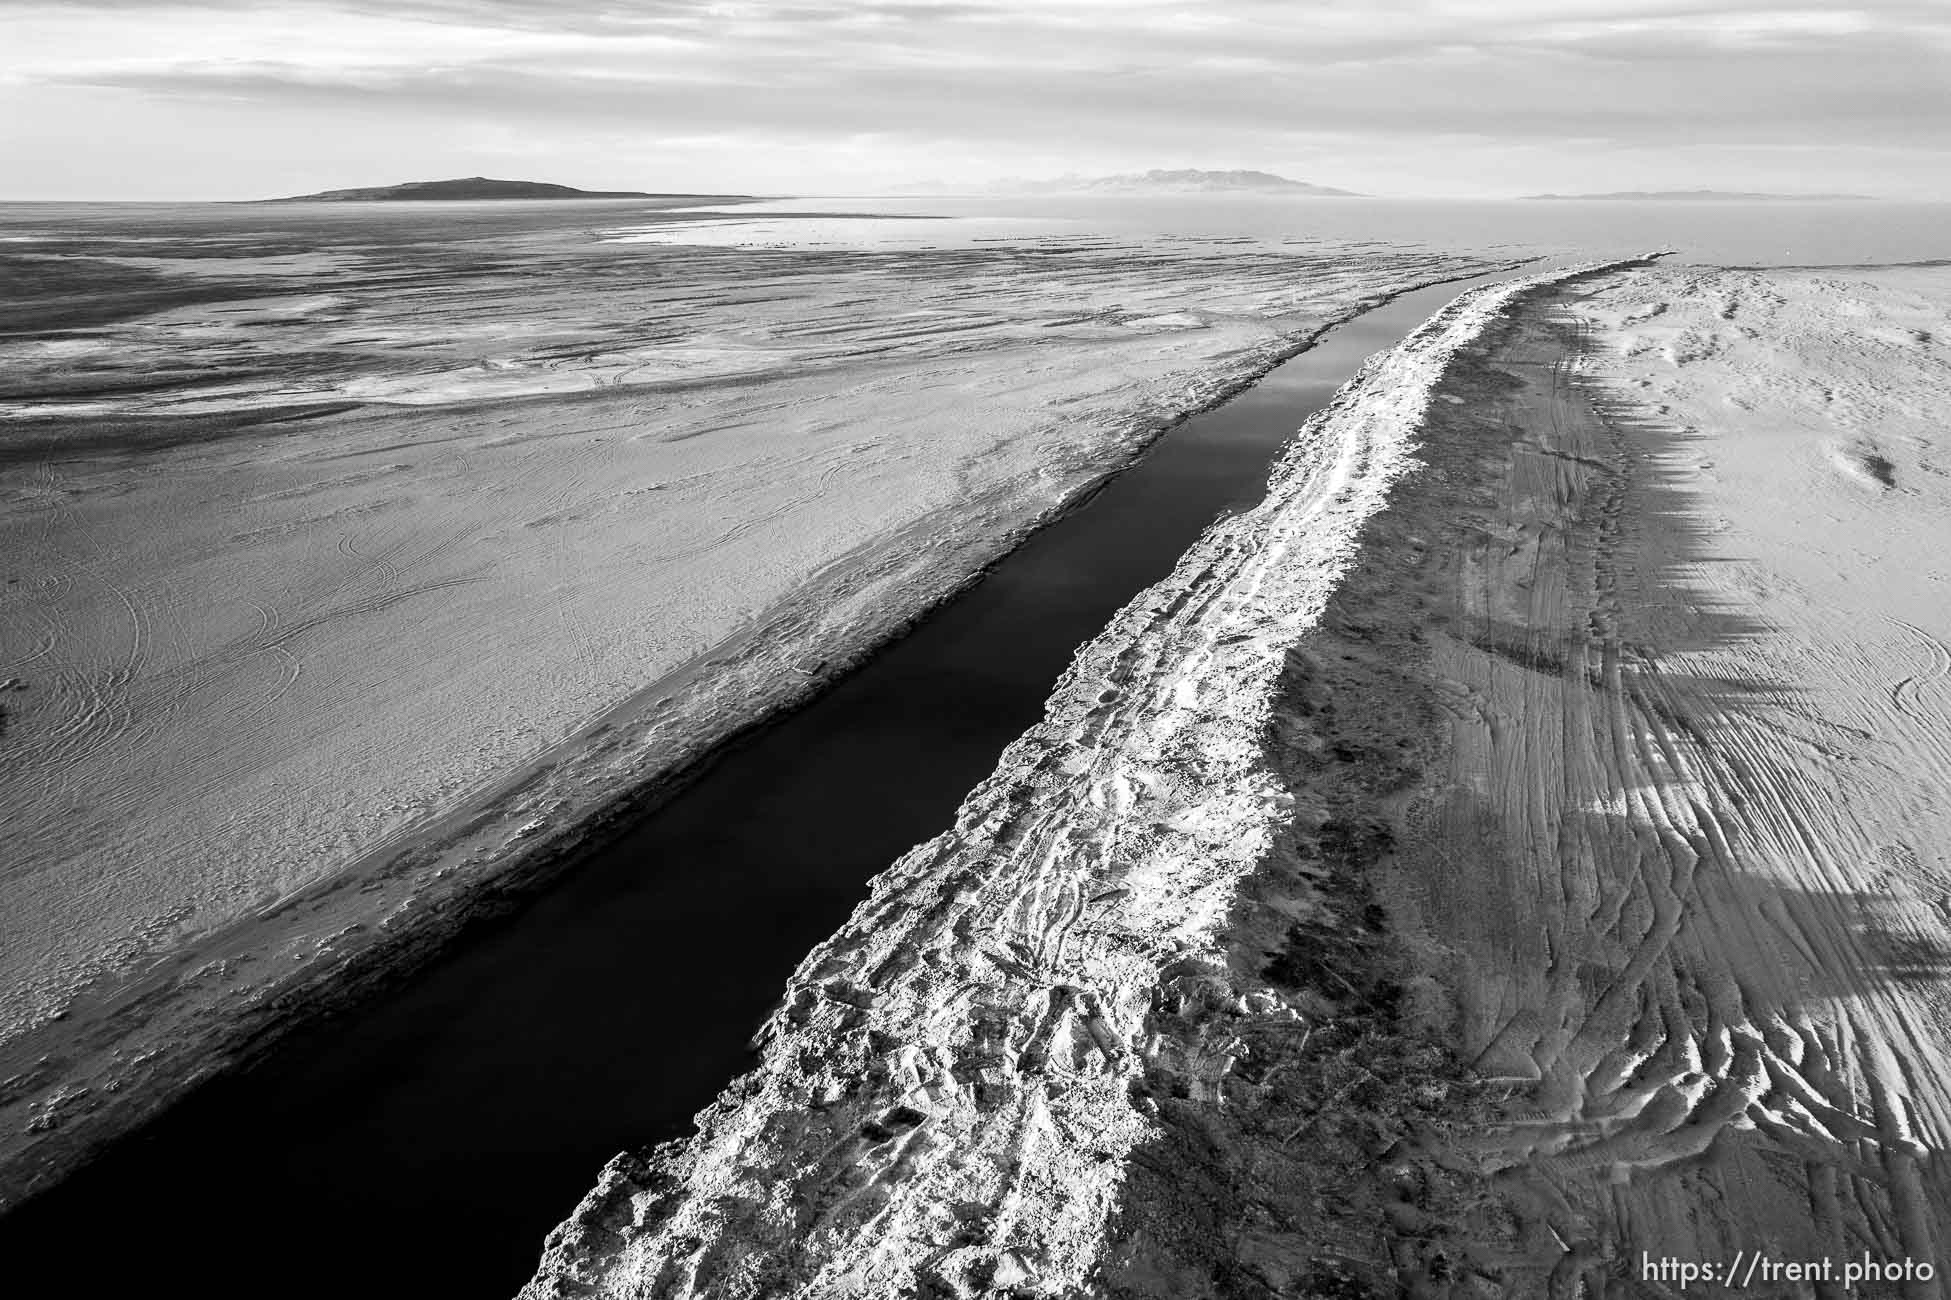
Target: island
(1194,181)
(470,187)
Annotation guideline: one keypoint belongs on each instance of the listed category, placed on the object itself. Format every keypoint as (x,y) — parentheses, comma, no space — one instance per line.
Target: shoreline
(1136,802)
(1469,875)
(125,1052)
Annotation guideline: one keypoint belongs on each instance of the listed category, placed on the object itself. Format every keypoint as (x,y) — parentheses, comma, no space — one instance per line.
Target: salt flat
(350,555)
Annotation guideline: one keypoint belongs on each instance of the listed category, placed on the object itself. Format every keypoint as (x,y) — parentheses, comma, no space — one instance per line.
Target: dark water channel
(424,1145)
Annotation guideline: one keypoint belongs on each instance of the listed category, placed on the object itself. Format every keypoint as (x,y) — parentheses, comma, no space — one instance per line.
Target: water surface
(1734,233)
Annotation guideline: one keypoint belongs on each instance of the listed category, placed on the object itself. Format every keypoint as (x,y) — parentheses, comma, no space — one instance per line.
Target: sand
(1507,862)
(1690,880)
(356,561)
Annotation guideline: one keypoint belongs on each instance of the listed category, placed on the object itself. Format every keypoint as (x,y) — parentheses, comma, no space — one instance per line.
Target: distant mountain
(1192,181)
(1156,181)
(1684,195)
(471,187)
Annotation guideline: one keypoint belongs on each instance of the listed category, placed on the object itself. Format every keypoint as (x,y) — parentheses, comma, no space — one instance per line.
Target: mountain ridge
(469,187)
(1158,180)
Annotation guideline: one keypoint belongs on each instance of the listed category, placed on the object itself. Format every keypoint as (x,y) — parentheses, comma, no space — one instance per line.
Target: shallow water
(1770,233)
(425,1145)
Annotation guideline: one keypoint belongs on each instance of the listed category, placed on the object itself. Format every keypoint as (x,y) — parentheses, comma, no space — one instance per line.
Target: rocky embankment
(1109,1034)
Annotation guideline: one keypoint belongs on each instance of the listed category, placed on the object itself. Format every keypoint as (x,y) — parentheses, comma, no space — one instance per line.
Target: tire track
(1703,900)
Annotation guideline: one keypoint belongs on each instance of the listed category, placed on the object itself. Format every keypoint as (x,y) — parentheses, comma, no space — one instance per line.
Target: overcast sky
(141,99)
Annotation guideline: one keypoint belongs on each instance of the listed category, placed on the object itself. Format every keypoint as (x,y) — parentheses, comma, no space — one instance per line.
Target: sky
(228,99)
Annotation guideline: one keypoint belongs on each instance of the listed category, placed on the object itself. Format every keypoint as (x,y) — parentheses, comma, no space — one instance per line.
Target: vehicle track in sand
(1724,1032)
(1905,692)
(1645,815)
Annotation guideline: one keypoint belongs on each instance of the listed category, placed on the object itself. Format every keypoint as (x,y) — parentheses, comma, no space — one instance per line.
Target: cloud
(1083,78)
(1615,85)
